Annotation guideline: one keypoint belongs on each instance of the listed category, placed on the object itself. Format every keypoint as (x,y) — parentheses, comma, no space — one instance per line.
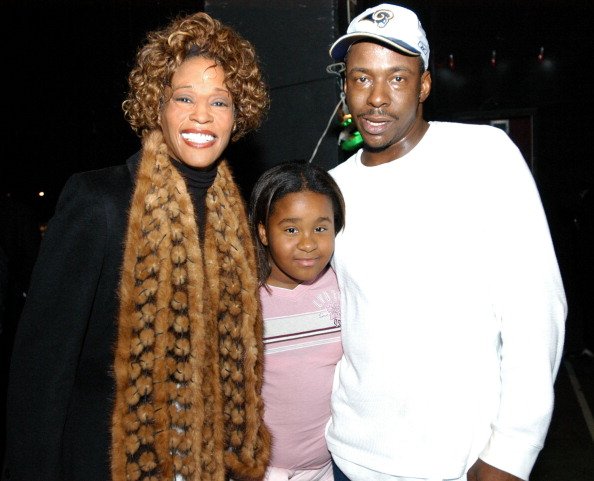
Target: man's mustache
(378,113)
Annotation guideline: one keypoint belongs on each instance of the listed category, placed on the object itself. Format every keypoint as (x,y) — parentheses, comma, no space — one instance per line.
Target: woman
(139,352)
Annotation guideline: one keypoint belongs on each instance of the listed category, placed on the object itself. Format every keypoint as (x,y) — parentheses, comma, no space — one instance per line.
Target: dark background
(65,66)
(66,62)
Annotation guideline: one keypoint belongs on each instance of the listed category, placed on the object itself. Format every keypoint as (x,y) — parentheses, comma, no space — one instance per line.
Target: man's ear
(262,234)
(425,86)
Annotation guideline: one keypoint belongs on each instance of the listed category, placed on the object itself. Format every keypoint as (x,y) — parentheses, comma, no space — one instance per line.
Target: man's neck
(398,149)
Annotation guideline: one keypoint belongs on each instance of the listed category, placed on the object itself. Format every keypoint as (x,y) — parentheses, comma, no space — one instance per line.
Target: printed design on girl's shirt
(330,301)
(317,327)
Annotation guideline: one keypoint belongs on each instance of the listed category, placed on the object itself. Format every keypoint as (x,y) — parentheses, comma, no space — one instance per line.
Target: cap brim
(339,48)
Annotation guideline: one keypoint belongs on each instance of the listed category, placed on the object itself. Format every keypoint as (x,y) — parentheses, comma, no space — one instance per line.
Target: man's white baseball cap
(389,24)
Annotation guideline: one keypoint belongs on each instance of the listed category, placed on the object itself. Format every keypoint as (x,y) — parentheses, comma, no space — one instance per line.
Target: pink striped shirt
(302,347)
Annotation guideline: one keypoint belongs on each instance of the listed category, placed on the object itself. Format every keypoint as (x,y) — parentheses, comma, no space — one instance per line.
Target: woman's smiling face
(198,116)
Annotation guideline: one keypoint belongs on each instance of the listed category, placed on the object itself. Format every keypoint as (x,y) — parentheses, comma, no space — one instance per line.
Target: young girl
(296,210)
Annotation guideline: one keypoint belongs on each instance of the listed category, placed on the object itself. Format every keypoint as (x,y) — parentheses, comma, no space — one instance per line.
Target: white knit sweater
(453,309)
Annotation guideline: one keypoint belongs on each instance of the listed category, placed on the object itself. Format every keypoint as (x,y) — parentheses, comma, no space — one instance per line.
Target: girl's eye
(220,103)
(321,229)
(290,230)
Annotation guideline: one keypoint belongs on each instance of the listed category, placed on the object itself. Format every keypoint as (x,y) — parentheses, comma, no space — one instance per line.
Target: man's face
(384,90)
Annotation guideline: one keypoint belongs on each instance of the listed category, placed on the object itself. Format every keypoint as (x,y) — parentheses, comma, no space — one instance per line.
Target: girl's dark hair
(276,183)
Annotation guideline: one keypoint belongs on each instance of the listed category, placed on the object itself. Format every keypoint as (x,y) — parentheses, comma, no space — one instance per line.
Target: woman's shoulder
(105,191)
(110,182)
(113,177)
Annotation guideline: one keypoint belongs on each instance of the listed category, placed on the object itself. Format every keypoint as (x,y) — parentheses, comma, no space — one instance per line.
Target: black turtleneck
(198,181)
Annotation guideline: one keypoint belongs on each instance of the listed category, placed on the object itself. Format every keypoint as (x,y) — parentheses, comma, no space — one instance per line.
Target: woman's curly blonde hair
(195,35)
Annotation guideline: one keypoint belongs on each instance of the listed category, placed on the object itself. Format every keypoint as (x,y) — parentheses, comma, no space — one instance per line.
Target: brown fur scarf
(188,361)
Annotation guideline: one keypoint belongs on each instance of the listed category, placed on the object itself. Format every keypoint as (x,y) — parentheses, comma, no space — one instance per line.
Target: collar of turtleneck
(197,178)
(198,181)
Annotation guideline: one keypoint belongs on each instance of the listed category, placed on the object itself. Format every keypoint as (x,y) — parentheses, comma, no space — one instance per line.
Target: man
(453,305)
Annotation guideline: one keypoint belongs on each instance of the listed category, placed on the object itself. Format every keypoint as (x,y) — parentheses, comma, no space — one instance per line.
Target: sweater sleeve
(51,333)
(531,308)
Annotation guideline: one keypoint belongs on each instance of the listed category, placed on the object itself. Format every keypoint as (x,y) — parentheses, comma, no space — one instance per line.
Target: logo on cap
(380,18)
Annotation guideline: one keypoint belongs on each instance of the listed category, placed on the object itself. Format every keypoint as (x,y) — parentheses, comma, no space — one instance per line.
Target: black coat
(61,387)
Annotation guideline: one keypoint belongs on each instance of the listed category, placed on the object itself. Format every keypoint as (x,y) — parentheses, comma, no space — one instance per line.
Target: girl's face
(300,238)
(197,120)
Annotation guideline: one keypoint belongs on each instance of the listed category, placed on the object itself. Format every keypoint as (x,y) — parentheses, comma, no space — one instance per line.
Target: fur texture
(188,361)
